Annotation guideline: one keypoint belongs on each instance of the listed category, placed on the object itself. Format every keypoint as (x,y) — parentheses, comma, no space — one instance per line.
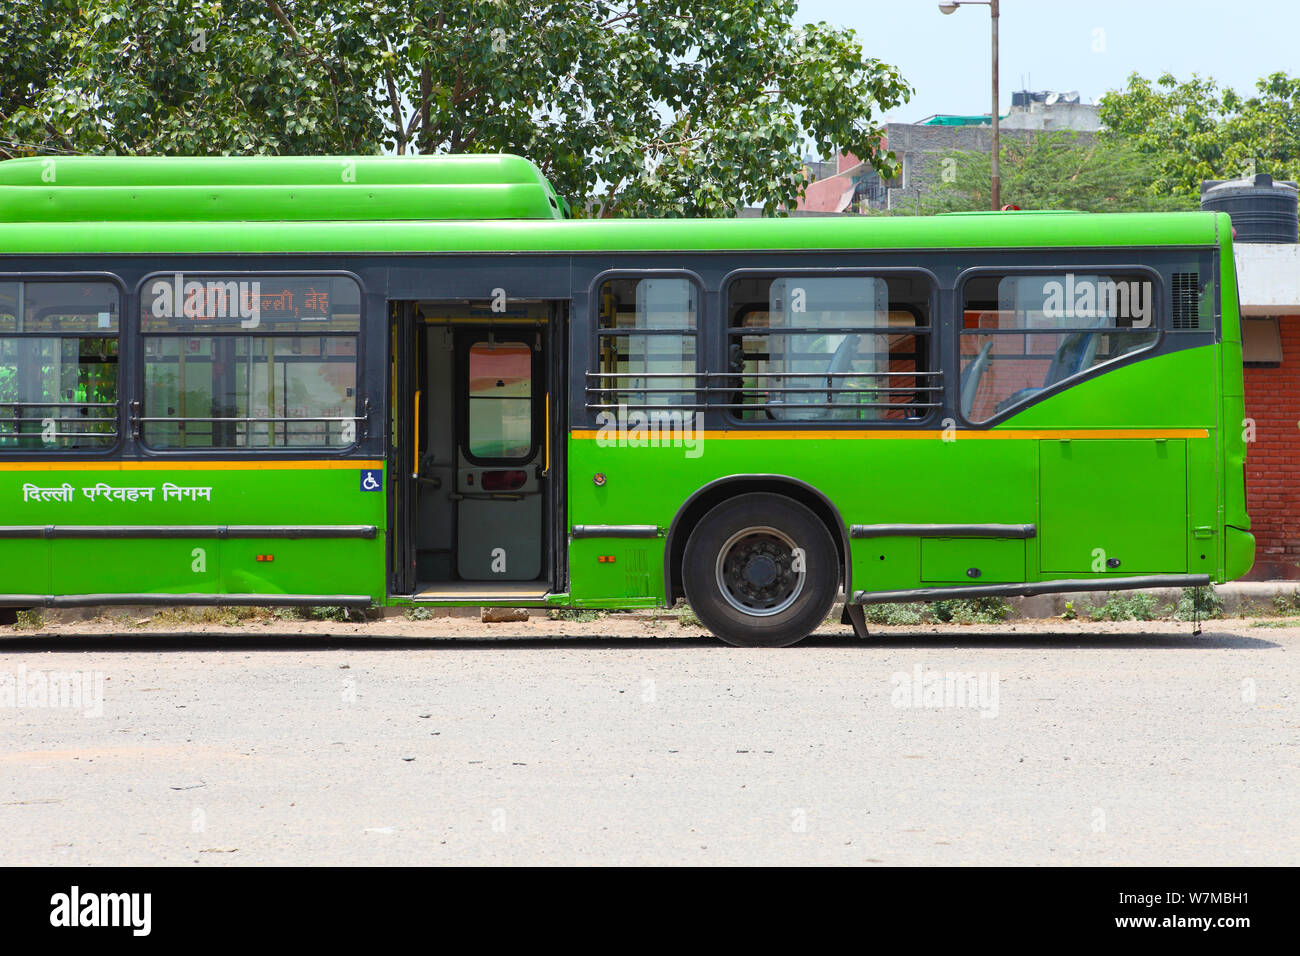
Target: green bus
(354,381)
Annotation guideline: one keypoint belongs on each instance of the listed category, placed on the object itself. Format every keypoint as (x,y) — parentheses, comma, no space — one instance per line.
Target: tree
(1195,131)
(192,77)
(1058,170)
(33,56)
(663,107)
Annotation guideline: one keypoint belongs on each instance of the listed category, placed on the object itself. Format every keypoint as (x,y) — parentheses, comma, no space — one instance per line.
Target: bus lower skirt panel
(1032,588)
(186,600)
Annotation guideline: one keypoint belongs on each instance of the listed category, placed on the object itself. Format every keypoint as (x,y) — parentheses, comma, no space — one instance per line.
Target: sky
(1087,45)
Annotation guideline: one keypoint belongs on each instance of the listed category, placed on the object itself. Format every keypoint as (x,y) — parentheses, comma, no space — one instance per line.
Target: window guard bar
(362,420)
(756,406)
(608,393)
(43,435)
(750,331)
(605,388)
(599,375)
(820,389)
(916,374)
(58,404)
(250,419)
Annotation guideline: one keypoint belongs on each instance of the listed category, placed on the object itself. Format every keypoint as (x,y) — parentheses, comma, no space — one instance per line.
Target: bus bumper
(1239,552)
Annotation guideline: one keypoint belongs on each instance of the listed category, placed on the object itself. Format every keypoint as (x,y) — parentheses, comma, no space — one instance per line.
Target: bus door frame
(401,455)
(403,332)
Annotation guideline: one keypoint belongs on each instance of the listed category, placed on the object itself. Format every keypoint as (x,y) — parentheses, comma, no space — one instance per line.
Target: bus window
(1024,334)
(646,341)
(842,348)
(500,400)
(58,365)
(250,362)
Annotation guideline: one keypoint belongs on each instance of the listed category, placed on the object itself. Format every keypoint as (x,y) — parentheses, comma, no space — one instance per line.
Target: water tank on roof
(1262,210)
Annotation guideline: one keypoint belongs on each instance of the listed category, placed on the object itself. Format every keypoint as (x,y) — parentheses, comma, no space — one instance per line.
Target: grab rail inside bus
(607,390)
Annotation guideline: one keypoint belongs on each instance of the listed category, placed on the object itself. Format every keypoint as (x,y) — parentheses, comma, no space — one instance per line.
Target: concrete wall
(1081,117)
(1268,277)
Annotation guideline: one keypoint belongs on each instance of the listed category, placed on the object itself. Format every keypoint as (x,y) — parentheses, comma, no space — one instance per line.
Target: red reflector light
(604,559)
(504,480)
(266,557)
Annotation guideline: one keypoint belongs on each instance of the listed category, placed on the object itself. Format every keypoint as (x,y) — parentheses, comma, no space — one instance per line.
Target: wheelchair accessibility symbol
(372,479)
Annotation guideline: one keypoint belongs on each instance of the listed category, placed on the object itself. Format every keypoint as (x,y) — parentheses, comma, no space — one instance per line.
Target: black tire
(740,571)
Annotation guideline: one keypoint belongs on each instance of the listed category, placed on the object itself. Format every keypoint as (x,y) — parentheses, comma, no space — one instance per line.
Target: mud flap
(855,616)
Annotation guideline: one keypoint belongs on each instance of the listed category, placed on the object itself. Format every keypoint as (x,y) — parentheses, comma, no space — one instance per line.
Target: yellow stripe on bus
(160,465)
(959,434)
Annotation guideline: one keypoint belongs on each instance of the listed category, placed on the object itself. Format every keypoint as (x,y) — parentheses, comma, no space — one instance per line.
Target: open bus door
(476,432)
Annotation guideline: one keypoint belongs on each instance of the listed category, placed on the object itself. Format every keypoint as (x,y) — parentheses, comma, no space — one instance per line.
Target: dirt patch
(394,622)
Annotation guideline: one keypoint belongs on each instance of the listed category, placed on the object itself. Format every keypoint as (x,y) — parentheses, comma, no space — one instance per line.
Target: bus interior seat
(1074,355)
(970,379)
(841,361)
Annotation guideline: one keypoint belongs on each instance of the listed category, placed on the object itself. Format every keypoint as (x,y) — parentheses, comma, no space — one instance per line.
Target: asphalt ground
(633,741)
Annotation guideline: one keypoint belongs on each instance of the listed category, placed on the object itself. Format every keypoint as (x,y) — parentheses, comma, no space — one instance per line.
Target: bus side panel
(25,566)
(881,479)
(1171,392)
(135,566)
(124,529)
(1117,506)
(303,566)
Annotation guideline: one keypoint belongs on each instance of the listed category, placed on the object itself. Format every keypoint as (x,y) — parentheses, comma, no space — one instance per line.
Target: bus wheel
(760,570)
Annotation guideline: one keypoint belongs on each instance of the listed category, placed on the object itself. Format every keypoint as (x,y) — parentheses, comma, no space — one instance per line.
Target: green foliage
(1069,614)
(575,614)
(322,613)
(1286,603)
(196,76)
(1202,603)
(327,613)
(687,618)
(1126,606)
(1059,170)
(419,613)
(894,614)
(29,619)
(1194,130)
(985,610)
(179,617)
(658,107)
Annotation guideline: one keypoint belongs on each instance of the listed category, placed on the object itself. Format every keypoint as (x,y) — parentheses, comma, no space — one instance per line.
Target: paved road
(1068,744)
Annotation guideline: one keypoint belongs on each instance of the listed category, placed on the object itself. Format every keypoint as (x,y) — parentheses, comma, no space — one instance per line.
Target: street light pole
(996,179)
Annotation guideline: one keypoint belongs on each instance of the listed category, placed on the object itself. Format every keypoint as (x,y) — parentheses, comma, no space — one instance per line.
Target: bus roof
(273,189)
(1009,231)
(379,204)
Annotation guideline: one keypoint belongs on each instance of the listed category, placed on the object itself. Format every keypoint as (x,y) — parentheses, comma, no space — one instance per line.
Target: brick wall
(1273,460)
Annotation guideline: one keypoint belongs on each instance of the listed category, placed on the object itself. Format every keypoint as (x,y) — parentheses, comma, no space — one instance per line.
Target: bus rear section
(1056,428)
